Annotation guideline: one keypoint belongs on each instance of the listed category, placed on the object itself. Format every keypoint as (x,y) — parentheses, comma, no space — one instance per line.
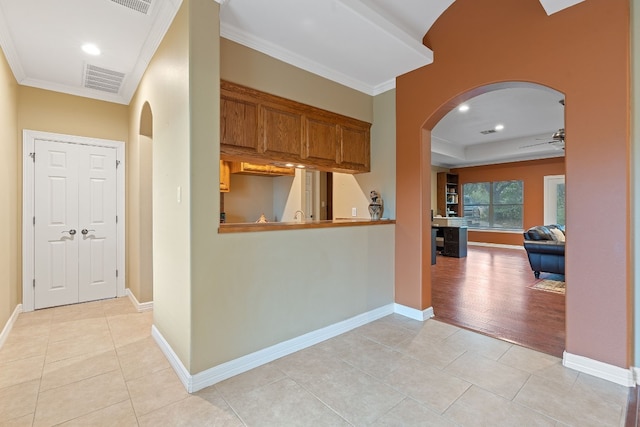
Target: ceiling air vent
(102,79)
(487,132)
(137,5)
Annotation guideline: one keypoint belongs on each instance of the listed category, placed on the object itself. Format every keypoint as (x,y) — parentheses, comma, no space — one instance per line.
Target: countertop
(245,227)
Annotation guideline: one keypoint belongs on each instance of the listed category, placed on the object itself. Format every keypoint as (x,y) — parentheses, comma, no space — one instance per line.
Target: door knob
(85,231)
(72,231)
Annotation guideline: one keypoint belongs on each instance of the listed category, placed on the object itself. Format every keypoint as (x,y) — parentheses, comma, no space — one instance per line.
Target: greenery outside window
(494,205)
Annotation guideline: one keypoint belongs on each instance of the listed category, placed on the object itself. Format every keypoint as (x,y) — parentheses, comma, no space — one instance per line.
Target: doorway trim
(28,212)
(550,198)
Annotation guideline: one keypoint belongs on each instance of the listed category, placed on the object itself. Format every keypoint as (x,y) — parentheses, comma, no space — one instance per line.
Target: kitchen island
(298,225)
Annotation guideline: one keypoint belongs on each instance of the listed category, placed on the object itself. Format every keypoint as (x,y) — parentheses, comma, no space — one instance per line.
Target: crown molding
(10,52)
(246,39)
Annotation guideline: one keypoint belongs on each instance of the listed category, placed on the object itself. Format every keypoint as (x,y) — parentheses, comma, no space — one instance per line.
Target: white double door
(75,202)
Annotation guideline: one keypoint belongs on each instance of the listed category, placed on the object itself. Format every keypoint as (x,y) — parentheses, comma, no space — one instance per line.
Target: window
(494,205)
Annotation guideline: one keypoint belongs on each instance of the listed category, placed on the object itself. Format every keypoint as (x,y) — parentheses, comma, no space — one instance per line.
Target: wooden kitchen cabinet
(321,141)
(280,132)
(239,125)
(225,177)
(245,168)
(354,147)
(270,129)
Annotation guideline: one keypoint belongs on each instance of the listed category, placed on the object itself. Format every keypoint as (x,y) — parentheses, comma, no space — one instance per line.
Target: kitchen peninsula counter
(248,227)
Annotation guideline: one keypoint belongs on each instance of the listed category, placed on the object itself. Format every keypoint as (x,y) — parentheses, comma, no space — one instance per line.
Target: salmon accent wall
(583,52)
(532,174)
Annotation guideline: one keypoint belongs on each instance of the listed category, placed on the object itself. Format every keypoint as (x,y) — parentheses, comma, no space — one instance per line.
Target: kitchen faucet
(302,216)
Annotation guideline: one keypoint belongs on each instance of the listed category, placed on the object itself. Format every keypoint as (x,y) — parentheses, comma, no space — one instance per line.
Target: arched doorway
(499,175)
(526,45)
(140,206)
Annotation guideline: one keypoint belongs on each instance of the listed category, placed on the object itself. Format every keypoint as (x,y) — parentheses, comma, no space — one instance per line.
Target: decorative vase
(375,210)
(375,207)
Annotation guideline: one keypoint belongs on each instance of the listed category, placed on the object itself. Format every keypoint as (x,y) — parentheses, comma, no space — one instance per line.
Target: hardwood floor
(489,292)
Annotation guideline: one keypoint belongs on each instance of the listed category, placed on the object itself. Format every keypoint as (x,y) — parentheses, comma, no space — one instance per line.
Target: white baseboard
(9,325)
(598,369)
(245,363)
(496,245)
(140,306)
(636,374)
(413,313)
(183,374)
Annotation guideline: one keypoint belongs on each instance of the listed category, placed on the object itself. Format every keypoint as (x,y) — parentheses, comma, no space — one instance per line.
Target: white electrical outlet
(354,211)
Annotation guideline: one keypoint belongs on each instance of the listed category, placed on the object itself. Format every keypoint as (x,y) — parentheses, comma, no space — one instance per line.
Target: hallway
(96,364)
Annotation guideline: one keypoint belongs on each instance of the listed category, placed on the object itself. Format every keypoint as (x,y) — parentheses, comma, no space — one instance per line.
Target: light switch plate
(354,211)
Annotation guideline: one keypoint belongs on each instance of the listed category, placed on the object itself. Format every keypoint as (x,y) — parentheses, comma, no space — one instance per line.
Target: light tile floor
(96,364)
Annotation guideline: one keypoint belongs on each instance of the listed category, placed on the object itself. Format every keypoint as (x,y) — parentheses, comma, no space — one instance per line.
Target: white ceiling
(362,44)
(529,113)
(42,41)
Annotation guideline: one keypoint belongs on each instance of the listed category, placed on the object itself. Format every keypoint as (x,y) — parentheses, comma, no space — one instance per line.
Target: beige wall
(56,112)
(250,196)
(245,66)
(165,86)
(144,278)
(253,290)
(10,289)
(351,191)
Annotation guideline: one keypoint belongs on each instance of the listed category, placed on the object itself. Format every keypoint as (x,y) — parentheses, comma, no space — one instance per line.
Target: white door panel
(75,232)
(97,214)
(56,211)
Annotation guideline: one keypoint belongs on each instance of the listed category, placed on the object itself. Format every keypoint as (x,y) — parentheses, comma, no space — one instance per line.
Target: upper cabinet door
(321,142)
(239,124)
(354,147)
(281,132)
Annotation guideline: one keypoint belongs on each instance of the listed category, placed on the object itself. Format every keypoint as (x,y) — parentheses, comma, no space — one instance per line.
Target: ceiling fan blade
(536,144)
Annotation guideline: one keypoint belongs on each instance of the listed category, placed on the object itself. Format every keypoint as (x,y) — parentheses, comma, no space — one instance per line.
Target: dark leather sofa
(545,248)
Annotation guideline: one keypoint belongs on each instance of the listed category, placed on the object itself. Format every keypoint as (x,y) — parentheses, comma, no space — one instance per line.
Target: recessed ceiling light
(289,165)
(91,49)
(300,166)
(499,127)
(463,107)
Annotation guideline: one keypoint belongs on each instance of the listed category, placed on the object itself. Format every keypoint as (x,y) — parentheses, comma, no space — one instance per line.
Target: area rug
(548,285)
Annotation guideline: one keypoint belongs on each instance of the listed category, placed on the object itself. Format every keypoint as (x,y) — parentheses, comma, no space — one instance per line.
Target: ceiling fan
(557,140)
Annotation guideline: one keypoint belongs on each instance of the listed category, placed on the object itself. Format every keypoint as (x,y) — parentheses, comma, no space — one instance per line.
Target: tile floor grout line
(126,384)
(458,398)
(229,403)
(319,399)
(536,410)
(394,407)
(44,363)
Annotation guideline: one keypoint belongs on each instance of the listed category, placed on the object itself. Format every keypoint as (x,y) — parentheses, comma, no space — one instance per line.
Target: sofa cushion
(544,247)
(558,234)
(539,232)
